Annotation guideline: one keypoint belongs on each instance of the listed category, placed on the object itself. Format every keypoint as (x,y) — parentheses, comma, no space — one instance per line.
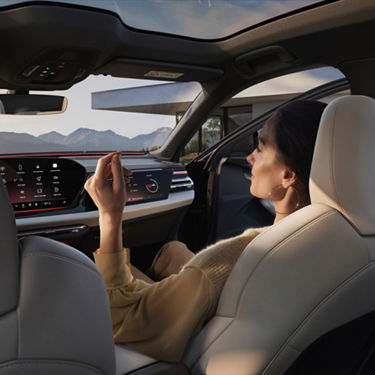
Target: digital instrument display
(148,185)
(38,184)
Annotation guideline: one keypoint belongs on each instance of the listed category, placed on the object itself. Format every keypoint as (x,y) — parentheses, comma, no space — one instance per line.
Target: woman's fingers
(117,172)
(101,166)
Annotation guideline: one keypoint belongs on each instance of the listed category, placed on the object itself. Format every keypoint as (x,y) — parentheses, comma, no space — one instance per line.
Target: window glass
(203,19)
(211,132)
(256,100)
(103,114)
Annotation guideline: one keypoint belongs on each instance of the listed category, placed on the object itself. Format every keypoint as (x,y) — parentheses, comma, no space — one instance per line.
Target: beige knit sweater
(158,319)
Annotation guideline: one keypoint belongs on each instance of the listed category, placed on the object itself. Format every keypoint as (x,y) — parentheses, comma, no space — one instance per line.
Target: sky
(79,113)
(207,19)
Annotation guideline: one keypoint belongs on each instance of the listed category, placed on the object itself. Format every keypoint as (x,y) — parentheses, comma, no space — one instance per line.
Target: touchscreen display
(149,185)
(37,184)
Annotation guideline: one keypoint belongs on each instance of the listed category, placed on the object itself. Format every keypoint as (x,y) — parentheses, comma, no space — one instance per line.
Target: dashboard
(39,185)
(48,197)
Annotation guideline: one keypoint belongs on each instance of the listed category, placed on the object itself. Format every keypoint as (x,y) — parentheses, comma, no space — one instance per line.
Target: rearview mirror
(25,104)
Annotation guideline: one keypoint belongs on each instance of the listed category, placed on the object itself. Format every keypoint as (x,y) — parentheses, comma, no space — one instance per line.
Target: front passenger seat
(54,312)
(311,275)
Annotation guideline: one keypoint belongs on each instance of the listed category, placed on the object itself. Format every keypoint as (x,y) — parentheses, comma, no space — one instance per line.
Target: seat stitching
(64,259)
(49,362)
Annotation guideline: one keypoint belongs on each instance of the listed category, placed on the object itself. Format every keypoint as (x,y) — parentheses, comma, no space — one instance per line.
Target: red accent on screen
(40,209)
(78,154)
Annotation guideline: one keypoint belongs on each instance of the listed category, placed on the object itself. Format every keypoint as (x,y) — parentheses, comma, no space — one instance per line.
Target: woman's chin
(252,191)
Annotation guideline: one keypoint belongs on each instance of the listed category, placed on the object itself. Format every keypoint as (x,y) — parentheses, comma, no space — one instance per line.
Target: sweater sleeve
(157,319)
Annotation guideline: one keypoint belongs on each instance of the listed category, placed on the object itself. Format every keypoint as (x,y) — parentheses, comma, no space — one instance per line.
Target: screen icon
(39,191)
(20,167)
(38,178)
(54,165)
(2,168)
(56,189)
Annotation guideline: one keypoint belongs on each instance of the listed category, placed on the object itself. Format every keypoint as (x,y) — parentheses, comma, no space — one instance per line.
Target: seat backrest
(54,311)
(310,273)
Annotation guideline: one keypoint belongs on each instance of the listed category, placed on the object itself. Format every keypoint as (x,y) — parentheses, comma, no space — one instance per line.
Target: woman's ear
(289,178)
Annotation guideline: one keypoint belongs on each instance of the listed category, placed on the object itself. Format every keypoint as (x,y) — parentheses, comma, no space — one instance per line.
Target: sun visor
(147,69)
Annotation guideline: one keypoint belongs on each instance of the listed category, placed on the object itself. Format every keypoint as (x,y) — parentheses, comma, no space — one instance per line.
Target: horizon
(131,124)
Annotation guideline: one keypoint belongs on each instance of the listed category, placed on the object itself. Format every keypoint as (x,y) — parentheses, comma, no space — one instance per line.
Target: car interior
(300,298)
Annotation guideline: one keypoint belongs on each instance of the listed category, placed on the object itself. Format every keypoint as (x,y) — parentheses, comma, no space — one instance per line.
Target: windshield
(137,123)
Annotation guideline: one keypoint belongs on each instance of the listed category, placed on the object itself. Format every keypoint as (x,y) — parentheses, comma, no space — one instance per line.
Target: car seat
(54,311)
(310,277)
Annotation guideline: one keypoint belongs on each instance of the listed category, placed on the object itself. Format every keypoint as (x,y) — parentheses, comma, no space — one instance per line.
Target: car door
(223,206)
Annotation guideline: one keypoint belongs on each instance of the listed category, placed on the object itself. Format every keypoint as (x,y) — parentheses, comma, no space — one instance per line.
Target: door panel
(235,208)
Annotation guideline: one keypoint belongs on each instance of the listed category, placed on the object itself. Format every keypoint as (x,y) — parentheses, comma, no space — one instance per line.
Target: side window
(252,103)
(214,129)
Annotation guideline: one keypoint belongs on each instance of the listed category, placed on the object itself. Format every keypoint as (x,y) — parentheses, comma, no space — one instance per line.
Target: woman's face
(267,168)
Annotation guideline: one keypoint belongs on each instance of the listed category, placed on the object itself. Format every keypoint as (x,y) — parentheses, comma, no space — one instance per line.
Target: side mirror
(25,104)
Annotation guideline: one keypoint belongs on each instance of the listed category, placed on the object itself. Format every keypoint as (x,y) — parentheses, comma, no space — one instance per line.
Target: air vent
(181,181)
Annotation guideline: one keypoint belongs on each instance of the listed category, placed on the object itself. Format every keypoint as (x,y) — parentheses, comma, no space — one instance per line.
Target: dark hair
(295,128)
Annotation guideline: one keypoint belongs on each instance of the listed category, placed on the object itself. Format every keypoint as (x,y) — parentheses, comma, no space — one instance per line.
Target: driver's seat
(310,276)
(54,311)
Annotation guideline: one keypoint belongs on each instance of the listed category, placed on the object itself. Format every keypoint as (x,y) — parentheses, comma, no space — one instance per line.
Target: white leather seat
(310,273)
(54,312)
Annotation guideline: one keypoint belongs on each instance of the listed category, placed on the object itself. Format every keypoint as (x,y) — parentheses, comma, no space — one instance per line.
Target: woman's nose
(250,158)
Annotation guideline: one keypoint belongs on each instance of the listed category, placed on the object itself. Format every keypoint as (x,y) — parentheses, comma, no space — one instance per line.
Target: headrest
(9,255)
(343,167)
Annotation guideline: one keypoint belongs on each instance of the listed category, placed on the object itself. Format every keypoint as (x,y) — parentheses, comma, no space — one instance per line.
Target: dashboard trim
(91,218)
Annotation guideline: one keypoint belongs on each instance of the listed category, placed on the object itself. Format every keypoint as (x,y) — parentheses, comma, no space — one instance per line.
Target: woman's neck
(292,201)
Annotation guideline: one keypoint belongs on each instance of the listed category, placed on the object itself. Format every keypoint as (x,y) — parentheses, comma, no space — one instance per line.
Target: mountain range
(82,139)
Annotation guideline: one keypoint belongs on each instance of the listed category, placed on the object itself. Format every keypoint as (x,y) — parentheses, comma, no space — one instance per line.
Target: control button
(20,167)
(2,168)
(152,186)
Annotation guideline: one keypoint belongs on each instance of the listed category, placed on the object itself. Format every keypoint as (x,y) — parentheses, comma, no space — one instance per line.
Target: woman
(159,318)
